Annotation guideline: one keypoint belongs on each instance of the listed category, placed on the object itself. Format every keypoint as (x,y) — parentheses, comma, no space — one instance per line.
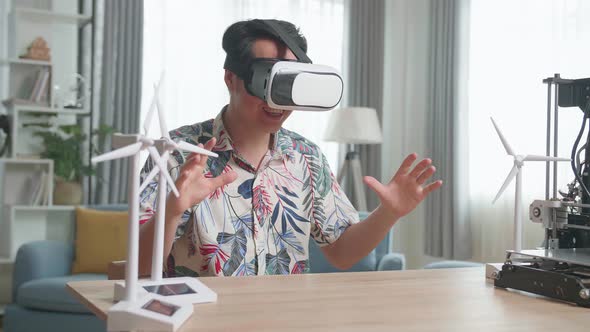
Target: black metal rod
(548,143)
(555,134)
(91,107)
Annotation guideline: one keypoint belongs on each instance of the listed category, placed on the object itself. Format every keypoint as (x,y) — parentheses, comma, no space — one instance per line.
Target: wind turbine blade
(148,117)
(509,178)
(123,152)
(182,145)
(162,120)
(532,157)
(153,104)
(169,179)
(503,139)
(148,179)
(163,169)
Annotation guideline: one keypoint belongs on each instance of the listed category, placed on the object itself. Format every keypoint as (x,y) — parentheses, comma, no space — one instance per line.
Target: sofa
(42,269)
(380,259)
(40,299)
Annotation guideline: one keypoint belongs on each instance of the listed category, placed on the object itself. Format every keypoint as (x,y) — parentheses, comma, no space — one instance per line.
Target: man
(253,209)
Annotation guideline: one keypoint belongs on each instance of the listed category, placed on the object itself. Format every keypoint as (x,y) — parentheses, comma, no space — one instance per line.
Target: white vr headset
(289,84)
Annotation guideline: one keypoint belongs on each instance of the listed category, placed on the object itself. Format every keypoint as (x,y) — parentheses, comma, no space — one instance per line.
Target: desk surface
(416,300)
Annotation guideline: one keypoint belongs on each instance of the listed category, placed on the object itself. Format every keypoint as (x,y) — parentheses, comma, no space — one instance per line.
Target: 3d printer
(561,269)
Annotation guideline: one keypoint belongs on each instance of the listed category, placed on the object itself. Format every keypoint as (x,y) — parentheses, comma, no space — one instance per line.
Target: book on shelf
(41,188)
(40,88)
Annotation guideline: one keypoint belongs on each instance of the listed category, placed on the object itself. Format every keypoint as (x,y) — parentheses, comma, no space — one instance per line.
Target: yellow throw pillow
(101,237)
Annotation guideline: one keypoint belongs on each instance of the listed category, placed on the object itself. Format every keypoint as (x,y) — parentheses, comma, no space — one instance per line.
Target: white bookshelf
(24,142)
(32,223)
(59,24)
(43,208)
(30,108)
(48,16)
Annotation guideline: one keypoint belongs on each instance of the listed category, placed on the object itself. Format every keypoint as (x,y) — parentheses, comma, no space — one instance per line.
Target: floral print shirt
(262,222)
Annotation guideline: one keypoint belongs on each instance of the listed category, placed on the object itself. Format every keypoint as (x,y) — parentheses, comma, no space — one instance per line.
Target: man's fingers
(432,187)
(194,160)
(223,179)
(202,157)
(406,165)
(375,185)
(210,143)
(420,167)
(425,175)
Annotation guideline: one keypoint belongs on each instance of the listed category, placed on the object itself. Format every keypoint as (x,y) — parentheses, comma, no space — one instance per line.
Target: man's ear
(230,79)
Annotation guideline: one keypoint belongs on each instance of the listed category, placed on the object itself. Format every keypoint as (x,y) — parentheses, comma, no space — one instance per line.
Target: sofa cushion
(101,237)
(51,294)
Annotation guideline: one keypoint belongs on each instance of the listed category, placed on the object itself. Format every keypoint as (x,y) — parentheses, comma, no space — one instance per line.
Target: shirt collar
(279,144)
(224,142)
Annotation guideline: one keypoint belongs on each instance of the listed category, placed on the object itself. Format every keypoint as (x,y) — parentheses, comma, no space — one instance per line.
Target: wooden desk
(413,300)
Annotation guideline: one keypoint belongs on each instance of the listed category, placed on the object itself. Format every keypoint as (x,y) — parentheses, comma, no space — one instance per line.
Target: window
(514,45)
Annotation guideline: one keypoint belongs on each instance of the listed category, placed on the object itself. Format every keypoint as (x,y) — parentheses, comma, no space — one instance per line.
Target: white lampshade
(354,125)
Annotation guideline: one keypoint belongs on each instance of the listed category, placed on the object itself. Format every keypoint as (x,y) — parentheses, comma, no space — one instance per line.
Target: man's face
(253,111)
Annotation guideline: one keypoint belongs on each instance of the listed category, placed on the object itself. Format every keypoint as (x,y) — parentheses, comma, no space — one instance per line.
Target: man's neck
(250,143)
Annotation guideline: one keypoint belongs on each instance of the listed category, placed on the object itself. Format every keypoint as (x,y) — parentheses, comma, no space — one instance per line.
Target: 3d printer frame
(566,222)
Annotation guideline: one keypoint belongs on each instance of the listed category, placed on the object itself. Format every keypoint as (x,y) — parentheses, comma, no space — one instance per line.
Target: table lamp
(354,125)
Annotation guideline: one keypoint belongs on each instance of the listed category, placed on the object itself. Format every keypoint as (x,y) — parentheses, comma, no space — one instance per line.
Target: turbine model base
(182,290)
(149,313)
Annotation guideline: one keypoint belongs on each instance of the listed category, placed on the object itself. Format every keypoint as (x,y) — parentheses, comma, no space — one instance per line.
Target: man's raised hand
(192,184)
(406,189)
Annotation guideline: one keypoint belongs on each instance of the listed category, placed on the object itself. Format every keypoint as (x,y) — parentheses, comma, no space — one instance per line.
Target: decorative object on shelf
(38,50)
(64,146)
(354,125)
(73,94)
(4,134)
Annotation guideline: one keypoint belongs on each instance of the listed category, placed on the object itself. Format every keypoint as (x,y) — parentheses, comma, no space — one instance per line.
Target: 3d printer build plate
(578,256)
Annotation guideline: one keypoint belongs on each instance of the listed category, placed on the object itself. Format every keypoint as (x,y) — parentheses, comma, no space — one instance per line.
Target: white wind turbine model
(516,172)
(183,286)
(161,305)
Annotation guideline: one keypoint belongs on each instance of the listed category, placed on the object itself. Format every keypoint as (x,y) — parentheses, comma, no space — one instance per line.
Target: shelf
(25,161)
(6,260)
(43,207)
(45,109)
(47,16)
(26,62)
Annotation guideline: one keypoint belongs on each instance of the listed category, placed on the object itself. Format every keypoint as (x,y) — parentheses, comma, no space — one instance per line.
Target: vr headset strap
(276,28)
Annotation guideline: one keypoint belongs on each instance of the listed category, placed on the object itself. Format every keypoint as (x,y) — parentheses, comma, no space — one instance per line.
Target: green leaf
(64,147)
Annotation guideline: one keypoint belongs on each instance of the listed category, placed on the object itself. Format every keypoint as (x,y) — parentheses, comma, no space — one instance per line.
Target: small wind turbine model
(516,172)
(159,304)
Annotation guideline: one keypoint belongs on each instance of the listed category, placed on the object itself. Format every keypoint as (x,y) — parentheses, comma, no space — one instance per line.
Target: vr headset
(289,84)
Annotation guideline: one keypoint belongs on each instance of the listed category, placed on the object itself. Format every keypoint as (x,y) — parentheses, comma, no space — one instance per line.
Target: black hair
(239,38)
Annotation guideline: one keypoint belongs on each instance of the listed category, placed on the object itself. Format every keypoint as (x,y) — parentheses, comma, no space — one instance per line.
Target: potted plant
(64,146)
